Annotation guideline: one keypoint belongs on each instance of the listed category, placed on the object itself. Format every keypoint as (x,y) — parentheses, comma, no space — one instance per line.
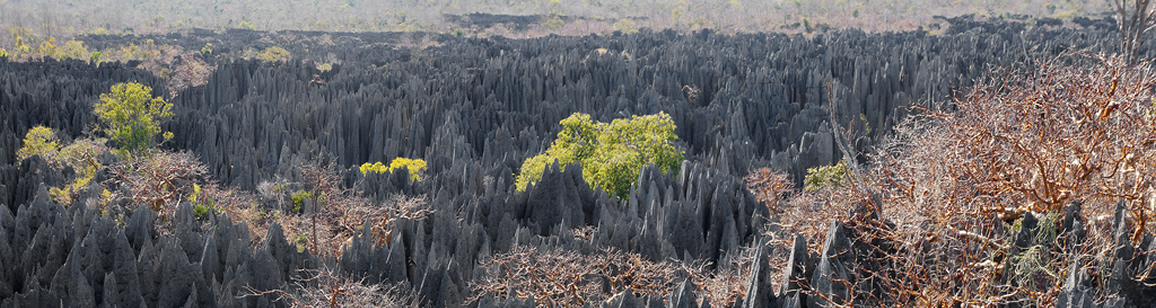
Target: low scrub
(954,184)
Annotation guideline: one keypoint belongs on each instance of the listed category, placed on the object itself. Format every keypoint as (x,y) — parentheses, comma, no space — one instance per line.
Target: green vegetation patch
(415,167)
(131,116)
(825,176)
(611,154)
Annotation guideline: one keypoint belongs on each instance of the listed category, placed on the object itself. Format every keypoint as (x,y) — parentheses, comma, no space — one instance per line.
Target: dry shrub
(241,206)
(1036,142)
(809,213)
(769,187)
(180,68)
(189,71)
(340,214)
(1028,143)
(585,233)
(160,180)
(723,285)
(956,180)
(321,288)
(560,278)
(402,207)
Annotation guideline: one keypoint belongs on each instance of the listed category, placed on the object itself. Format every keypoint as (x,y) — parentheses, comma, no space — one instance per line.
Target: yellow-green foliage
(611,154)
(298,198)
(94,57)
(825,176)
(80,155)
(245,24)
(41,141)
(554,23)
(273,54)
(29,46)
(626,26)
(134,52)
(414,166)
(131,115)
(202,206)
(72,49)
(64,195)
(193,198)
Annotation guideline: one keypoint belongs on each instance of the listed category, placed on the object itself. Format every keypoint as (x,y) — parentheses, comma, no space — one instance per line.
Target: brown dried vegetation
(565,278)
(338,214)
(954,183)
(160,180)
(326,289)
(722,285)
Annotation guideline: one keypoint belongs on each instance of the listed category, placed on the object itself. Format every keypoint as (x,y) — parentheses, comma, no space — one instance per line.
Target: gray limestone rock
(683,296)
(835,269)
(759,291)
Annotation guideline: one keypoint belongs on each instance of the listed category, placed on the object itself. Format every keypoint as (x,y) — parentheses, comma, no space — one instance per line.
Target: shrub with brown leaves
(1028,143)
(769,187)
(955,181)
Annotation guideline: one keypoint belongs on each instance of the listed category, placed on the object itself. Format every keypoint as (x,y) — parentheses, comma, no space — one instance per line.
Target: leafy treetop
(611,154)
(41,141)
(132,116)
(414,166)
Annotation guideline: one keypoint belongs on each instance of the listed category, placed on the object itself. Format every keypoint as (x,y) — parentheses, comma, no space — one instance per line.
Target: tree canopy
(131,115)
(611,154)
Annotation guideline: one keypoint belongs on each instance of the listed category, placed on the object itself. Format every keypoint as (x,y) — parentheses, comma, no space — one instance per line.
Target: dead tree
(1135,18)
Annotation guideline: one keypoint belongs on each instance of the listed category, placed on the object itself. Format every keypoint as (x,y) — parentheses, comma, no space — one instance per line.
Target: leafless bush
(323,180)
(800,212)
(161,180)
(769,187)
(724,285)
(340,214)
(955,179)
(1135,18)
(402,207)
(585,233)
(189,71)
(320,288)
(1040,141)
(1029,143)
(239,205)
(558,278)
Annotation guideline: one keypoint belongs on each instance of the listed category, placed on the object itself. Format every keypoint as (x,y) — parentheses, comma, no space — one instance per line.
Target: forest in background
(65,19)
(991,158)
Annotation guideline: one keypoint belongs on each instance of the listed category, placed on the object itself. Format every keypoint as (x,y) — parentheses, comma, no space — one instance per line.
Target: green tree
(132,116)
(41,141)
(611,154)
(273,54)
(414,166)
(80,155)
